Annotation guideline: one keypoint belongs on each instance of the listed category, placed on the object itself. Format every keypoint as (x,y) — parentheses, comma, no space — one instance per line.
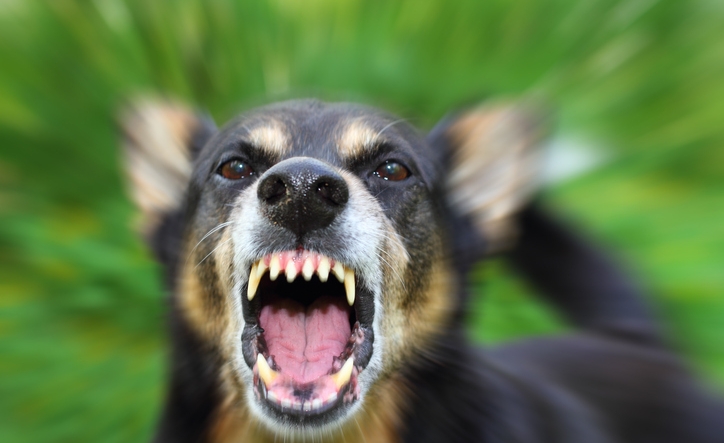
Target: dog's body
(312,191)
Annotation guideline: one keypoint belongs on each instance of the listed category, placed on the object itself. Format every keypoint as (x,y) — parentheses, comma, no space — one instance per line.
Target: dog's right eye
(235,170)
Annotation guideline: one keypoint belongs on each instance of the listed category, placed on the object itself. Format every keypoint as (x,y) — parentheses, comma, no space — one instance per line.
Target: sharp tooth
(253,282)
(267,374)
(291,271)
(332,397)
(349,285)
(341,378)
(323,269)
(261,268)
(274,267)
(338,271)
(273,397)
(308,269)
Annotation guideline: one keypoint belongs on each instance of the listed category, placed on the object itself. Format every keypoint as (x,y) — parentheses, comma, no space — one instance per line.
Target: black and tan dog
(317,256)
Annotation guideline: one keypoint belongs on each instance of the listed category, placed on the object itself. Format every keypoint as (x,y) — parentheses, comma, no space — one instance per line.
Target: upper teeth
(307,264)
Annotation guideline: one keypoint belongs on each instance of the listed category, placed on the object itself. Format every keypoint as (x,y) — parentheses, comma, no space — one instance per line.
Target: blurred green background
(82,352)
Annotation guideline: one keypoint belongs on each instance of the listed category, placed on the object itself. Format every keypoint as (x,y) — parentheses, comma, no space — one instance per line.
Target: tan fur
(155,147)
(409,329)
(191,296)
(212,323)
(494,167)
(356,137)
(270,136)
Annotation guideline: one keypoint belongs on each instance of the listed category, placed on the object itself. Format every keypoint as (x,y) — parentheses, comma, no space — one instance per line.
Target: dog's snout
(302,194)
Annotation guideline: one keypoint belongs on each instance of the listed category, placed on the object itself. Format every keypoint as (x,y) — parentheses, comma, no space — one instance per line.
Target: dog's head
(320,252)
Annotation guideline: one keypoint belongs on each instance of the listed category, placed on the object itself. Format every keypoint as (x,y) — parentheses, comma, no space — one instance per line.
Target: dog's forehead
(334,132)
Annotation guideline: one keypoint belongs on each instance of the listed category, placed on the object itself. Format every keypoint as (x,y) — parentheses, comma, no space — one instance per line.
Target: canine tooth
(338,271)
(341,378)
(349,285)
(286,403)
(261,268)
(274,267)
(267,374)
(291,271)
(308,269)
(273,397)
(332,397)
(316,403)
(253,282)
(323,269)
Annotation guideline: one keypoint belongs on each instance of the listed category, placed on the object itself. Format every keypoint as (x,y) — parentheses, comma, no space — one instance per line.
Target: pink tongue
(302,340)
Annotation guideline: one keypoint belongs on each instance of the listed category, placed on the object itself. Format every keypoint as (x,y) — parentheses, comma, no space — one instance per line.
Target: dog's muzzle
(308,332)
(302,195)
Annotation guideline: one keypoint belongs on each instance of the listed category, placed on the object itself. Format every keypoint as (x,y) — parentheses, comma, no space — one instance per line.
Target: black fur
(193,391)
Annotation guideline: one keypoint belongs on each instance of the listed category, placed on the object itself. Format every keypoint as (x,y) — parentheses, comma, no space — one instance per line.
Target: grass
(81,312)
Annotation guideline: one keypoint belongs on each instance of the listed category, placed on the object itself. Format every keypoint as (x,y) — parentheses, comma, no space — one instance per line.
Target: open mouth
(308,333)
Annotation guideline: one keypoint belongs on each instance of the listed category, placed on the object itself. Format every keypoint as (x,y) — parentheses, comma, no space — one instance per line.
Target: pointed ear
(493,159)
(160,141)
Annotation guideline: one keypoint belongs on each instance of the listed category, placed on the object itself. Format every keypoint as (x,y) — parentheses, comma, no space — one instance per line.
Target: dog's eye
(392,171)
(235,170)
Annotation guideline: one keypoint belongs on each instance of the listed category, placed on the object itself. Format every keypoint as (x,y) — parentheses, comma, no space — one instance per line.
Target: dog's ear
(493,159)
(160,141)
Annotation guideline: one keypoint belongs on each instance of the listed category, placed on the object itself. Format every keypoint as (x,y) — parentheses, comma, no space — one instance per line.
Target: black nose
(302,194)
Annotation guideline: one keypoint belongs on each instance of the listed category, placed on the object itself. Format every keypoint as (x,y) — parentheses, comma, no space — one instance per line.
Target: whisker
(389,238)
(212,251)
(341,431)
(387,127)
(361,433)
(211,232)
(399,277)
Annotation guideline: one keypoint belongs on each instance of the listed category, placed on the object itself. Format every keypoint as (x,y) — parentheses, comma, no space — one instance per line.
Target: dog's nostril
(333,193)
(271,191)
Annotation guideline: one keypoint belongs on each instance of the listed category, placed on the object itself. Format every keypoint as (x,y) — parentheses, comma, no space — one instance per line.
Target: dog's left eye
(235,170)
(392,171)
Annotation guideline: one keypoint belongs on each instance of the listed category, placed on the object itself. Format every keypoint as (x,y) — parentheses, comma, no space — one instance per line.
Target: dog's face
(323,259)
(316,257)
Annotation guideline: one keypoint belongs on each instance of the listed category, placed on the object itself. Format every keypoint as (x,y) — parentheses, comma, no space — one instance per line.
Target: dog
(317,254)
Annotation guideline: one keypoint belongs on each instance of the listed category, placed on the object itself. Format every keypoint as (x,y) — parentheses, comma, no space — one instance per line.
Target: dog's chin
(308,338)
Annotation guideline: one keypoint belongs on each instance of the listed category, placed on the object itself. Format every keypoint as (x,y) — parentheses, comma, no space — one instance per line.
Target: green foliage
(83,346)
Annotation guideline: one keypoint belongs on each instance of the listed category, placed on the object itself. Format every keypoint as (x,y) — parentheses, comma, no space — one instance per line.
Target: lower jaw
(313,399)
(325,397)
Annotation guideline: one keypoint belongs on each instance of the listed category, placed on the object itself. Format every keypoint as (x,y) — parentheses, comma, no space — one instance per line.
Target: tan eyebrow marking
(271,136)
(359,137)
